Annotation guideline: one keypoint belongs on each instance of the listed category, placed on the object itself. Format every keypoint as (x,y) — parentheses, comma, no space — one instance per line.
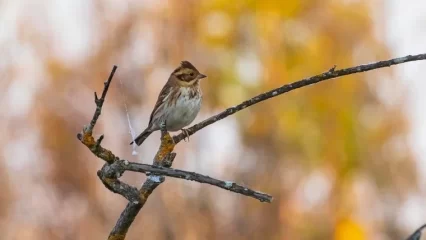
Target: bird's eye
(191,74)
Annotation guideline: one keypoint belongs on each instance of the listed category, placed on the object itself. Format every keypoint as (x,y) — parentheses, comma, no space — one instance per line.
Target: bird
(178,103)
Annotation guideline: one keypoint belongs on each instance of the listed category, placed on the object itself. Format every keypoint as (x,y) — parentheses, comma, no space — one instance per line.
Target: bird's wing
(162,98)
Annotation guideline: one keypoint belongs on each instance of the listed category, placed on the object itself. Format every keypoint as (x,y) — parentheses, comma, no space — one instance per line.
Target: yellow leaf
(348,229)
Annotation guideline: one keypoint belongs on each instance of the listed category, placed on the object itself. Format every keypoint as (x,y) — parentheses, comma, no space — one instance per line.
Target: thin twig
(417,234)
(330,74)
(100,102)
(123,165)
(86,136)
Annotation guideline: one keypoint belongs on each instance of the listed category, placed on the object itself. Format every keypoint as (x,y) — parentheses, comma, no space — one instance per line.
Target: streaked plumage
(178,103)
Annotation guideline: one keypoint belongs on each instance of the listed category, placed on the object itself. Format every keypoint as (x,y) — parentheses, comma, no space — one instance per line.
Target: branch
(86,136)
(109,175)
(114,168)
(118,167)
(163,158)
(100,102)
(417,234)
(330,74)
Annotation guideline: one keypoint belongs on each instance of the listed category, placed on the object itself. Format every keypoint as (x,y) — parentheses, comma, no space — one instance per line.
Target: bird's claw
(185,131)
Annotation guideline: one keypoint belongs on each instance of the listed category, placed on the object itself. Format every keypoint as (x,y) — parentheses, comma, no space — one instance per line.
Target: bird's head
(186,74)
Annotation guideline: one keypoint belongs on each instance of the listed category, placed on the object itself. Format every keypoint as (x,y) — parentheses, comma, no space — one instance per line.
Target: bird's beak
(200,76)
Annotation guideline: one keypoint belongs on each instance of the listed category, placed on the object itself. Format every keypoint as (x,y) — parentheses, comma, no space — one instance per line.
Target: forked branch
(114,167)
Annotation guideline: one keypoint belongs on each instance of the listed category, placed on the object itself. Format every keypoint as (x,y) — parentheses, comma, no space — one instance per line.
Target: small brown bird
(178,103)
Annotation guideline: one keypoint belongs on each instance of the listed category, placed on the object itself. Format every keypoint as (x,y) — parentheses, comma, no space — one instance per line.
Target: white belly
(184,111)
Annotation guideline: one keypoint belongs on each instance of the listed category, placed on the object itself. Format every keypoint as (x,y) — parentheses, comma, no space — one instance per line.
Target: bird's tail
(141,138)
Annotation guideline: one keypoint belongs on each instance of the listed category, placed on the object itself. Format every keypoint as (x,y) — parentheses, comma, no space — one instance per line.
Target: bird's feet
(185,131)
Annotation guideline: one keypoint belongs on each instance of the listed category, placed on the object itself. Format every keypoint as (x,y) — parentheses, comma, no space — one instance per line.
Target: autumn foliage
(334,156)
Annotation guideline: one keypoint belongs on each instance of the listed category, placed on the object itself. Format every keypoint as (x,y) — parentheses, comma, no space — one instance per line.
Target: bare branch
(164,157)
(125,220)
(123,165)
(109,175)
(417,234)
(114,168)
(99,102)
(86,136)
(330,74)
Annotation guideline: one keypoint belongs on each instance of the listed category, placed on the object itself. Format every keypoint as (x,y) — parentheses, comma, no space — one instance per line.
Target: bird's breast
(185,105)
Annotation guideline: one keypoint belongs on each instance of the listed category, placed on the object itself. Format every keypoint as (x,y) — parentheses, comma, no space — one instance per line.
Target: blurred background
(344,159)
